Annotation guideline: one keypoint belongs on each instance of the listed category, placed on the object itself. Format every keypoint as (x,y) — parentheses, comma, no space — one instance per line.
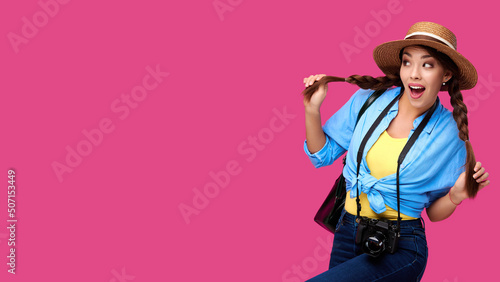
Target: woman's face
(422,77)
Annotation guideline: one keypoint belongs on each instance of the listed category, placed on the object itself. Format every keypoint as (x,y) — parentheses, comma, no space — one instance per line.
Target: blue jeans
(348,263)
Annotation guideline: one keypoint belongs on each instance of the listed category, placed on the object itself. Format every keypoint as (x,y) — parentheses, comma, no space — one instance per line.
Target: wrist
(456,198)
(312,110)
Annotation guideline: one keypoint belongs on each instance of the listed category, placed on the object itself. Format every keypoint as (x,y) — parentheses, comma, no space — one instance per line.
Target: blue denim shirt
(429,170)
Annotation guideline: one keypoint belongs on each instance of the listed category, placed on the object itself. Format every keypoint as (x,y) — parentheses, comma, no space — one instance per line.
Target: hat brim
(386,56)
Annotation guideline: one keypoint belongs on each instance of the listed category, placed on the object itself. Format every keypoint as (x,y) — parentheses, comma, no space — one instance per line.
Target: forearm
(443,207)
(314,132)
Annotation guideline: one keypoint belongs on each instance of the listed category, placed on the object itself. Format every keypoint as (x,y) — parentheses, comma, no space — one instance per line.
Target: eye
(405,62)
(430,65)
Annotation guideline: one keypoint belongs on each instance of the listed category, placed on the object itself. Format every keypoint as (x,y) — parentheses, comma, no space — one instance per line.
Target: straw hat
(430,34)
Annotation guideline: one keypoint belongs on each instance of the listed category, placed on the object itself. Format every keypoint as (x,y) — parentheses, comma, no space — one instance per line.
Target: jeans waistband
(349,218)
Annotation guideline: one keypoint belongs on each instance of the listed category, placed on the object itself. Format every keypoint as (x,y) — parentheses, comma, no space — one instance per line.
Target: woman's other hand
(459,192)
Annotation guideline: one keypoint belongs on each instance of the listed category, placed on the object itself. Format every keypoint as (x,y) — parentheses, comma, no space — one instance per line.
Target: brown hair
(456,99)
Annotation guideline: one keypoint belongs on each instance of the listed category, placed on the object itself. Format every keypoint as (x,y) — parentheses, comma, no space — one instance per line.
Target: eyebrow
(423,57)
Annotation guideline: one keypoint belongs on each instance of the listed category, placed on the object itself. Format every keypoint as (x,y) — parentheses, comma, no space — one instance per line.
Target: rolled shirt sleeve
(325,156)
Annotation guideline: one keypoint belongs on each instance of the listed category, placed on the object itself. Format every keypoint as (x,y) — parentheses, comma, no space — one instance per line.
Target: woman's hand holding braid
(319,96)
(458,192)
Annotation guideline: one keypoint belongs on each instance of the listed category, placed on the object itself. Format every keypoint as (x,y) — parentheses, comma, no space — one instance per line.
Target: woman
(438,172)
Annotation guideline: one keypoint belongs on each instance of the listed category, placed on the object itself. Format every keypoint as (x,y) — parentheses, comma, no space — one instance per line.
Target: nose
(415,72)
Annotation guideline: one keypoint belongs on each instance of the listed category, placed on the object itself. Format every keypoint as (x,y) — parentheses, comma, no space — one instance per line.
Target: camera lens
(375,245)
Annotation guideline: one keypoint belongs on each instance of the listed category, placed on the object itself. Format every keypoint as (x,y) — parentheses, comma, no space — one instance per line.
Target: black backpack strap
(368,102)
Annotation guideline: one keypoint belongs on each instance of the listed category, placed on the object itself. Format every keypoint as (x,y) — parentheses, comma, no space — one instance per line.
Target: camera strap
(365,106)
(402,155)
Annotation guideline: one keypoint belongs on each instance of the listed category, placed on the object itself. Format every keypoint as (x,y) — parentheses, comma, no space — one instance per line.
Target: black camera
(377,236)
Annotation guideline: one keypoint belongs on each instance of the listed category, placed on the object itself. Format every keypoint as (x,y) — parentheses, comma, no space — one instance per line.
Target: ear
(447,76)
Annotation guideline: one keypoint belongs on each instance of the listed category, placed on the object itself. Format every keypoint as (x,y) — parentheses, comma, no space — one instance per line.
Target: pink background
(231,74)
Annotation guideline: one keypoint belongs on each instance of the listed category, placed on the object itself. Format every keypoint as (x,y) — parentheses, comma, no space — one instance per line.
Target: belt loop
(423,222)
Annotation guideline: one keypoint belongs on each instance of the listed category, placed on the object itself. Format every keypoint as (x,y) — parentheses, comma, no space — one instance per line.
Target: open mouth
(416,91)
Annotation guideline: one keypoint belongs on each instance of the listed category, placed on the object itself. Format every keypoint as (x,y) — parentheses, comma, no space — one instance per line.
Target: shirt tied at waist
(367,183)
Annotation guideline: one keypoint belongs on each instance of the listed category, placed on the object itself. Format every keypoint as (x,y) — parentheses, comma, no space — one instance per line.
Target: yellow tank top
(382,161)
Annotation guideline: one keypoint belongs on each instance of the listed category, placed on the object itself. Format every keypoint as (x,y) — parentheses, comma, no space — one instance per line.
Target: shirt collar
(394,109)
